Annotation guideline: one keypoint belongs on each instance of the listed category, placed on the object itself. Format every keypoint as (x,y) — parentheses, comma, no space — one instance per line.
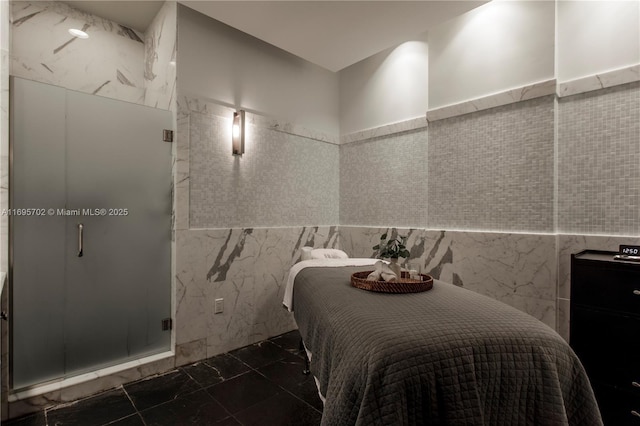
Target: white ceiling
(331,34)
(133,14)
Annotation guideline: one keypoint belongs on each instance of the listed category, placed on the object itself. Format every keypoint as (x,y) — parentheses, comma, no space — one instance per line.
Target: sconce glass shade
(238,133)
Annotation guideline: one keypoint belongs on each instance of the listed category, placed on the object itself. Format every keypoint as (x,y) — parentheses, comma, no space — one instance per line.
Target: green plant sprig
(392,249)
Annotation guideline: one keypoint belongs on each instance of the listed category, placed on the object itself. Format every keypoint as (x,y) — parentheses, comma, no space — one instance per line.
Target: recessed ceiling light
(78,33)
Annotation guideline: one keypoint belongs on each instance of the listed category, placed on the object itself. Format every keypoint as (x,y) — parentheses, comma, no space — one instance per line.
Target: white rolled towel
(375,275)
(383,271)
(388,274)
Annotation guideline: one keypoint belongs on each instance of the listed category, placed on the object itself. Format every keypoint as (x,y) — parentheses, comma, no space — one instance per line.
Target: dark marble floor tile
(286,372)
(203,373)
(97,410)
(227,366)
(229,421)
(36,419)
(308,392)
(261,354)
(177,398)
(243,391)
(282,409)
(151,392)
(289,341)
(197,408)
(134,420)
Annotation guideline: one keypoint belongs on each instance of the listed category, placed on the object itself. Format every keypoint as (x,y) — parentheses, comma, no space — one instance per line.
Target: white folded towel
(383,271)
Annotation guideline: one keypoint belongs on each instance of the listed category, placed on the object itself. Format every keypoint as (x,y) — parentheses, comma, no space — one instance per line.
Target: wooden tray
(404,285)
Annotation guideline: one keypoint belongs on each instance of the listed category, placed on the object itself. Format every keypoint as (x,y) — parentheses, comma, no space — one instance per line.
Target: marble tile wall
(493,169)
(160,58)
(384,180)
(599,161)
(109,63)
(247,268)
(217,195)
(517,269)
(281,180)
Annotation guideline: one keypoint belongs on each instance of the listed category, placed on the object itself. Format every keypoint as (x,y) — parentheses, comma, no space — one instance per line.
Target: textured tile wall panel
(384,180)
(517,269)
(599,162)
(493,170)
(281,180)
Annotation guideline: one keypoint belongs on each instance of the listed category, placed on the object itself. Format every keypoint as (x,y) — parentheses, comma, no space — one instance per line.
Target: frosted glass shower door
(111,173)
(118,291)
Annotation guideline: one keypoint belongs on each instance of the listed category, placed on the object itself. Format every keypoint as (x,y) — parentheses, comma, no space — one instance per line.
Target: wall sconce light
(238,132)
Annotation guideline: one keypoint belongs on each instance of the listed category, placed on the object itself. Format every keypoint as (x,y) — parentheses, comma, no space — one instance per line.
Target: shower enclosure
(90,232)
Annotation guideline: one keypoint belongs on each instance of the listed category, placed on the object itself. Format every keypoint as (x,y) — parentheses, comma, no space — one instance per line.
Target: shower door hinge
(167,135)
(167,324)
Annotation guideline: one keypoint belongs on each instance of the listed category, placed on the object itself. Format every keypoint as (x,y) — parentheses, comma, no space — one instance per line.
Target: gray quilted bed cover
(447,356)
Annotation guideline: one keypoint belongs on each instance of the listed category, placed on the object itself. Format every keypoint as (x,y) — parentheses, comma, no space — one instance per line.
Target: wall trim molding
(518,94)
(599,81)
(385,130)
(191,103)
(603,80)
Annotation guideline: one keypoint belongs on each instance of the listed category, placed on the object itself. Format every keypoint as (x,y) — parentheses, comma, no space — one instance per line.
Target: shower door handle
(80,238)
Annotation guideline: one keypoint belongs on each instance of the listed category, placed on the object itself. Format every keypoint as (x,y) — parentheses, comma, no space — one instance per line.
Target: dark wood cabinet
(605,331)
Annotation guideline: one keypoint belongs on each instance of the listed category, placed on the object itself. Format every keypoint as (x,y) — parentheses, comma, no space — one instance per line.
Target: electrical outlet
(218,307)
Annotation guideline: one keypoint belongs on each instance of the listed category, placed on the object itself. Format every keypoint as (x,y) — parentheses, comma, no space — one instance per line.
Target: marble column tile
(160,58)
(599,81)
(181,175)
(569,244)
(564,318)
(188,353)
